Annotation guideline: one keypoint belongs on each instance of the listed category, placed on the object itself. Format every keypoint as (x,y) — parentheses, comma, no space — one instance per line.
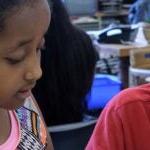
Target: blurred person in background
(68,65)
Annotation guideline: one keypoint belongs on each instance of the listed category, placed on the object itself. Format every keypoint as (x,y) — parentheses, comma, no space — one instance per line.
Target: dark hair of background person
(68,65)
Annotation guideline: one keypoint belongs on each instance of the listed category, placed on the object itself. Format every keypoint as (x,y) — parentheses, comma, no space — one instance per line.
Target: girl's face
(20,44)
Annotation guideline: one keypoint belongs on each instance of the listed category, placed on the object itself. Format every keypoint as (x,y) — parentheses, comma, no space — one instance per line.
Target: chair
(73,136)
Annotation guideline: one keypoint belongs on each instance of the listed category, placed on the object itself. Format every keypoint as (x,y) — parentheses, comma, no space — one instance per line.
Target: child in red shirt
(125,122)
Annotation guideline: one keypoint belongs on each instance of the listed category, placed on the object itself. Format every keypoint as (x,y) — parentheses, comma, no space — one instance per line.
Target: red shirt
(125,122)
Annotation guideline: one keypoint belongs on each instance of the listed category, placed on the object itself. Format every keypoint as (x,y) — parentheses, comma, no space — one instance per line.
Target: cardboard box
(140,57)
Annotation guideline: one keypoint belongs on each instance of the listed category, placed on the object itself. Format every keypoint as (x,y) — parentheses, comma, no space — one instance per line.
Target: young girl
(23,24)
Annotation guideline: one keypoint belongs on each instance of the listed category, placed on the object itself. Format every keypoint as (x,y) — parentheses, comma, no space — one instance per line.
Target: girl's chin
(14,104)
(16,101)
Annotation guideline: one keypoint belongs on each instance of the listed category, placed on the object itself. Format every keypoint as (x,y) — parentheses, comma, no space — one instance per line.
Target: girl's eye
(13,61)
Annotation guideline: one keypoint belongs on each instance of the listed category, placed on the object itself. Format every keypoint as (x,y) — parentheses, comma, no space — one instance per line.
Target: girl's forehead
(28,20)
(29,13)
(27,24)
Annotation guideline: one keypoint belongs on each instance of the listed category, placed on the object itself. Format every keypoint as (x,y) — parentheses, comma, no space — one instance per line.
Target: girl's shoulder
(33,132)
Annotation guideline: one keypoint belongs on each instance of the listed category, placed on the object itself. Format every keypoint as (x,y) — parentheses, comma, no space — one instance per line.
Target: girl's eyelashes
(14,61)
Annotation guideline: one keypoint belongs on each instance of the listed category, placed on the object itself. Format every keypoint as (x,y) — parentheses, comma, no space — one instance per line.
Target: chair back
(73,136)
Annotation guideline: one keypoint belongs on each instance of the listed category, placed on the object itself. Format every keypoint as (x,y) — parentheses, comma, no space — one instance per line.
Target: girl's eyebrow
(19,44)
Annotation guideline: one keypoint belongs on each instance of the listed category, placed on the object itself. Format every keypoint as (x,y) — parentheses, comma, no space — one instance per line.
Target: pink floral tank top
(27,129)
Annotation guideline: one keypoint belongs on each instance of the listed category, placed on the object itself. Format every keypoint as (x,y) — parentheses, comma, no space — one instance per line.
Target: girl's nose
(34,71)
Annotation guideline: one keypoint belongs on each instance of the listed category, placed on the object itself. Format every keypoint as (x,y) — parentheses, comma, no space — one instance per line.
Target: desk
(121,51)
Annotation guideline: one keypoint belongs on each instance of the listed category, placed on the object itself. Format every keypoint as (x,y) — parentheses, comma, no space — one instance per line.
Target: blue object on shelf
(104,87)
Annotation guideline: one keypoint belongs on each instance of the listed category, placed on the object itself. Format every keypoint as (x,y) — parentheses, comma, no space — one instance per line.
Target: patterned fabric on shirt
(33,132)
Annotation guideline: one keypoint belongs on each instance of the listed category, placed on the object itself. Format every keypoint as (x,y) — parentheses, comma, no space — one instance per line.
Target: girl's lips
(24,94)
